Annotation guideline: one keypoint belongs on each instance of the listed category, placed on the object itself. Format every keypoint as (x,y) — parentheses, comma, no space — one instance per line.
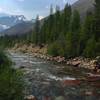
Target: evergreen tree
(69,46)
(57,24)
(86,31)
(36,34)
(44,31)
(97,19)
(88,25)
(50,25)
(66,17)
(75,30)
(90,49)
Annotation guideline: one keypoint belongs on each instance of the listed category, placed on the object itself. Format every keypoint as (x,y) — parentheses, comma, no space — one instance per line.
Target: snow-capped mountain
(10,20)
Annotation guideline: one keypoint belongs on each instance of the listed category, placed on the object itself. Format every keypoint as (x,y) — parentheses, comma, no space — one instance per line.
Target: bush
(56,49)
(90,49)
(11,85)
(53,49)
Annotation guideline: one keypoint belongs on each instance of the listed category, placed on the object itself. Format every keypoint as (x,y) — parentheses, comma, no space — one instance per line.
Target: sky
(31,8)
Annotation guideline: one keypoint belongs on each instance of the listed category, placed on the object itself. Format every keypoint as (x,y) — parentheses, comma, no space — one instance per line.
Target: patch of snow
(4,26)
(41,17)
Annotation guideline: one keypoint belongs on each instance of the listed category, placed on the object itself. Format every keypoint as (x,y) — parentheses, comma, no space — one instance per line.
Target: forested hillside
(65,34)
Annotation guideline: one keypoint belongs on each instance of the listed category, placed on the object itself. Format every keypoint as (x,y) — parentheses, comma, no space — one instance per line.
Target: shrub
(11,85)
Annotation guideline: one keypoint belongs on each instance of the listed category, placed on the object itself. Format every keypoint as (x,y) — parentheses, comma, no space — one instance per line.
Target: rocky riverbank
(41,52)
(49,81)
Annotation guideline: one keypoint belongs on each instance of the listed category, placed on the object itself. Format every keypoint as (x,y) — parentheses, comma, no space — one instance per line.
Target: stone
(98,58)
(76,63)
(60,98)
(70,83)
(89,93)
(30,97)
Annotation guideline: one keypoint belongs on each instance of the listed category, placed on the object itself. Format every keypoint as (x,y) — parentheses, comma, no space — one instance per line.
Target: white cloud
(41,17)
(1,10)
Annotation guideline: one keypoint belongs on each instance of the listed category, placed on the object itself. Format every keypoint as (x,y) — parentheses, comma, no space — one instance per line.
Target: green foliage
(69,47)
(88,25)
(75,30)
(56,50)
(90,49)
(97,20)
(36,34)
(11,85)
(66,18)
(86,31)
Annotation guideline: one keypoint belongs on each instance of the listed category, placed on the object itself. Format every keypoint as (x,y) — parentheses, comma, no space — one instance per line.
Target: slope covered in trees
(65,34)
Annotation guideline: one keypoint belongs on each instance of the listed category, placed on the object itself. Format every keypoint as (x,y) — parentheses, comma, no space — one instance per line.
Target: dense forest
(69,36)
(65,32)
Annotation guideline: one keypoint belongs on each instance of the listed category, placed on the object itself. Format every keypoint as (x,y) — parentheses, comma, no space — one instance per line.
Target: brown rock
(70,82)
(76,63)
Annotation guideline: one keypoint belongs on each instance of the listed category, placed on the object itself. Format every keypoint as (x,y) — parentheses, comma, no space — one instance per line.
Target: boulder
(60,98)
(89,93)
(76,63)
(71,83)
(98,58)
(30,97)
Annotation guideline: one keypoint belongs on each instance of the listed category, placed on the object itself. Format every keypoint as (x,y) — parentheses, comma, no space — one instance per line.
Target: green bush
(11,85)
(53,49)
(90,49)
(56,49)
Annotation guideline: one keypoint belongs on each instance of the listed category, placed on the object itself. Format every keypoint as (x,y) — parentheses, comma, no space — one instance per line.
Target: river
(48,81)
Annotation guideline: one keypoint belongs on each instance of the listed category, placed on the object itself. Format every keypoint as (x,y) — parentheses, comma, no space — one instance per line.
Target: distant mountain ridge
(21,28)
(18,29)
(83,6)
(10,20)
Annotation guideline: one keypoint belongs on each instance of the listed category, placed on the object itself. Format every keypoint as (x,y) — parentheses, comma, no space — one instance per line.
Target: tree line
(67,35)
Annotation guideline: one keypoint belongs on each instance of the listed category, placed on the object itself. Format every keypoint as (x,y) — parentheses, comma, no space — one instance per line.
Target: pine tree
(36,34)
(43,32)
(69,46)
(88,25)
(86,31)
(51,25)
(90,49)
(66,17)
(57,24)
(97,19)
(75,30)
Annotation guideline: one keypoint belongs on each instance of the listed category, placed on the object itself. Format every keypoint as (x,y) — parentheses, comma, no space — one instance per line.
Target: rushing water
(48,81)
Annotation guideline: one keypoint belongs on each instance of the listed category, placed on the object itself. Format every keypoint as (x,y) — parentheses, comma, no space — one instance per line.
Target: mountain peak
(83,6)
(11,20)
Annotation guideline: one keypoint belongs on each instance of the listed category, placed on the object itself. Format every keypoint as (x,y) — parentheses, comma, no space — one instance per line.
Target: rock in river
(30,97)
(60,98)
